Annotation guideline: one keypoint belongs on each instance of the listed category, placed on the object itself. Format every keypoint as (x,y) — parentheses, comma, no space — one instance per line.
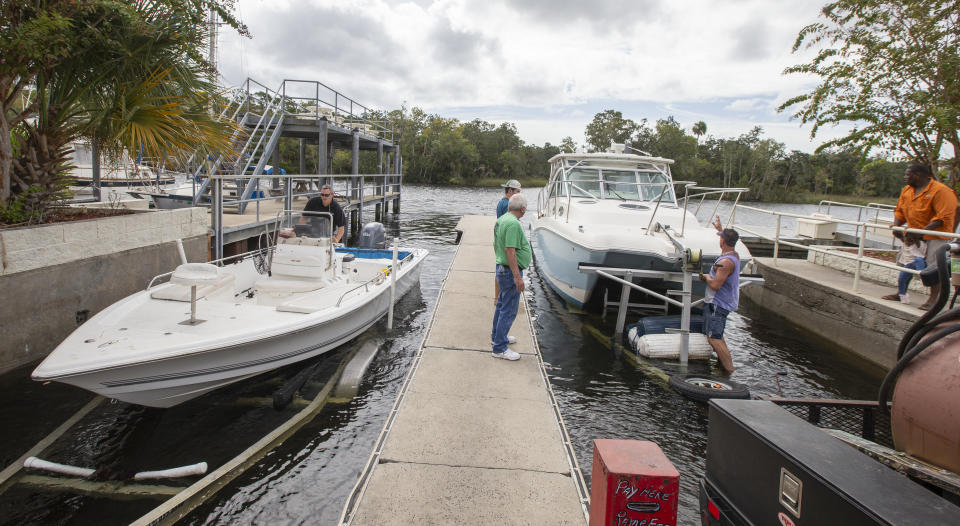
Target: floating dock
(472,439)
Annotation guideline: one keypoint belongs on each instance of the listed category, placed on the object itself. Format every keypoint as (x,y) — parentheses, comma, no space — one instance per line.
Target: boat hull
(168,382)
(559,259)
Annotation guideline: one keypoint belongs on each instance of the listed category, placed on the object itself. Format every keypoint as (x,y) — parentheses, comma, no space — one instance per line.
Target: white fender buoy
(183,471)
(45,465)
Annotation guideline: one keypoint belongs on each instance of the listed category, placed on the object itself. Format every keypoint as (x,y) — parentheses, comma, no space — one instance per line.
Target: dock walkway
(472,439)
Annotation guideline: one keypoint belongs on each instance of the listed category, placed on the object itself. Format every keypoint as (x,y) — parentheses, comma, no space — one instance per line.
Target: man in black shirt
(325,203)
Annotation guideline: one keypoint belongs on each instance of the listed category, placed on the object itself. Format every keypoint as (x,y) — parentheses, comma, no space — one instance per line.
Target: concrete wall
(56,276)
(29,248)
(862,325)
(867,270)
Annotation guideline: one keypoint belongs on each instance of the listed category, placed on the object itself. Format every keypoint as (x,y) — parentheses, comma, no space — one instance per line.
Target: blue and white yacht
(614,209)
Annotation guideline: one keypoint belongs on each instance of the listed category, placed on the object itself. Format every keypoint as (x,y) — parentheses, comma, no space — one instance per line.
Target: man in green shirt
(513,255)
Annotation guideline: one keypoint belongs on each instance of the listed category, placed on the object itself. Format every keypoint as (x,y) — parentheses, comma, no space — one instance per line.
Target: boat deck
(472,439)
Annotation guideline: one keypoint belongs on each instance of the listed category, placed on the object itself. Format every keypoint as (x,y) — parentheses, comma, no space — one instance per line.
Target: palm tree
(699,128)
(138,84)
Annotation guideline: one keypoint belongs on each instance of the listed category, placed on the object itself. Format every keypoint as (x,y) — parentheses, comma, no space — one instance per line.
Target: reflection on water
(306,480)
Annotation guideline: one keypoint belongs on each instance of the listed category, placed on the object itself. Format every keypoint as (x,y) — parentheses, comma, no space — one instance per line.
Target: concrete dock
(472,439)
(822,300)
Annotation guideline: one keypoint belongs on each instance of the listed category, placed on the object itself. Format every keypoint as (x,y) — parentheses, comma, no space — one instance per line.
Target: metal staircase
(250,154)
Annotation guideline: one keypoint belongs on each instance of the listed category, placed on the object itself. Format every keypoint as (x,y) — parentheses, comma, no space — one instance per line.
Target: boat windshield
(625,185)
(651,190)
(307,224)
(583,183)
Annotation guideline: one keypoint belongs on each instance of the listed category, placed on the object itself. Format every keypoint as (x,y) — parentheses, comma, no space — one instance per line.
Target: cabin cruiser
(212,324)
(618,210)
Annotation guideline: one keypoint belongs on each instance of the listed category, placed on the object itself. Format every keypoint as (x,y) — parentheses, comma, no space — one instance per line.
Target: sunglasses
(326,195)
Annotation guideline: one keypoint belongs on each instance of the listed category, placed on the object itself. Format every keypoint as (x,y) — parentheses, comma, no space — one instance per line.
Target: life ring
(702,388)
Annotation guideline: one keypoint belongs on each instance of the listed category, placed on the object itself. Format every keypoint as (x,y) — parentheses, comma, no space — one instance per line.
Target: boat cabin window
(651,192)
(582,183)
(620,184)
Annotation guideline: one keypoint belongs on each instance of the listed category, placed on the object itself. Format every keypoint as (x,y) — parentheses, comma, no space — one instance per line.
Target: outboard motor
(373,235)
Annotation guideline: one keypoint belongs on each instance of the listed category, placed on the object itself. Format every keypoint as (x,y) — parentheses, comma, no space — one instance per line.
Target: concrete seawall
(56,276)
(821,300)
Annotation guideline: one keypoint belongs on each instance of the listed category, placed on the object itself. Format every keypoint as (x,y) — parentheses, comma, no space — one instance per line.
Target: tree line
(441,150)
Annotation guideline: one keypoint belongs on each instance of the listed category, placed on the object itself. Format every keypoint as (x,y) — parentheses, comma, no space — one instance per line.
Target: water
(307,479)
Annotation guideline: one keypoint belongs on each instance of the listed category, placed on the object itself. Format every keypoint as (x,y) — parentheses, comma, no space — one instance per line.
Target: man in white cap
(509,188)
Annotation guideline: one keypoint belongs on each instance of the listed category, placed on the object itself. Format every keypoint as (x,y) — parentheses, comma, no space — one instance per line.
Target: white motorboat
(212,325)
(618,210)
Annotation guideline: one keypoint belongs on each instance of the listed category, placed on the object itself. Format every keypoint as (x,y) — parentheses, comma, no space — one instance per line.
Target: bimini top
(607,156)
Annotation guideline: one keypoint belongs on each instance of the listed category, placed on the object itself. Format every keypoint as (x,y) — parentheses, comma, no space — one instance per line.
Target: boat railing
(544,196)
(376,280)
(702,192)
(859,258)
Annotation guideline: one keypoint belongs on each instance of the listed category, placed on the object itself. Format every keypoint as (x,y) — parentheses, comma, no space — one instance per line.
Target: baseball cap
(512,183)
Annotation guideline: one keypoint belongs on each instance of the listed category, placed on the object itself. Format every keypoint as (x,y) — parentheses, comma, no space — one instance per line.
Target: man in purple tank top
(722,293)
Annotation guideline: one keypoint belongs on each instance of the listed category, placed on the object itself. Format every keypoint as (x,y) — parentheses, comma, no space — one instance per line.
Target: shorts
(714,320)
(932,246)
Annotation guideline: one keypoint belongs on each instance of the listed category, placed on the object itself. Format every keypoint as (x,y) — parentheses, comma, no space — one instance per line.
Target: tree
(568,145)
(609,127)
(892,69)
(126,76)
(699,128)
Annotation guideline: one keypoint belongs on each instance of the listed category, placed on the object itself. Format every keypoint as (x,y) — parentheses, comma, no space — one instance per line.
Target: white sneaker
(510,339)
(509,354)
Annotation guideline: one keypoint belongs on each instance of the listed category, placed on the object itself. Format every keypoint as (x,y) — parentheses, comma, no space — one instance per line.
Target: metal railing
(311,98)
(859,258)
(876,208)
(546,194)
(355,190)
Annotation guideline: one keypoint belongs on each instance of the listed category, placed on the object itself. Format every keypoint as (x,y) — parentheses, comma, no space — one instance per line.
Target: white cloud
(749,105)
(545,60)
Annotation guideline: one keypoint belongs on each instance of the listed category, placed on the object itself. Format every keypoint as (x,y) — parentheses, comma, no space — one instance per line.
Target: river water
(307,479)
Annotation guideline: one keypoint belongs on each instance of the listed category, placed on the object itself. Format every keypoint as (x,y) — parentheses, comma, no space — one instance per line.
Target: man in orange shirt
(927,204)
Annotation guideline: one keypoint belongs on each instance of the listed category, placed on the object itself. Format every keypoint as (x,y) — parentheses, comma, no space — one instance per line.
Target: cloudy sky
(548,66)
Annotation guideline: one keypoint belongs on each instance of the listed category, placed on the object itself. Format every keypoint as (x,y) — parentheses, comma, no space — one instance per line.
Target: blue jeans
(714,320)
(507,304)
(904,280)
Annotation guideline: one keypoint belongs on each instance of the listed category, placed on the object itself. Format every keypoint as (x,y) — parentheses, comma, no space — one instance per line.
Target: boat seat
(196,274)
(319,300)
(179,291)
(299,261)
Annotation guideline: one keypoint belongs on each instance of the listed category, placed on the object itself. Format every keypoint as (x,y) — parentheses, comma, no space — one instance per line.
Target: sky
(548,66)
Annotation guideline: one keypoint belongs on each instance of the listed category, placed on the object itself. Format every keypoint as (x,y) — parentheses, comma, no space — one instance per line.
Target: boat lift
(689,264)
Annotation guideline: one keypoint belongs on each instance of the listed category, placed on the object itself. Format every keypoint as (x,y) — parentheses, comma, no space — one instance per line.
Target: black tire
(702,388)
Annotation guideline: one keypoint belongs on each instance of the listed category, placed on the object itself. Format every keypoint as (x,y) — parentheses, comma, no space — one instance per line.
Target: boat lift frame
(685,303)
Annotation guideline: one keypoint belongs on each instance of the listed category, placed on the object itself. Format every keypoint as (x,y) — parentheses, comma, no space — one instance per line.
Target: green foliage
(892,69)
(441,150)
(27,207)
(123,75)
(609,127)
